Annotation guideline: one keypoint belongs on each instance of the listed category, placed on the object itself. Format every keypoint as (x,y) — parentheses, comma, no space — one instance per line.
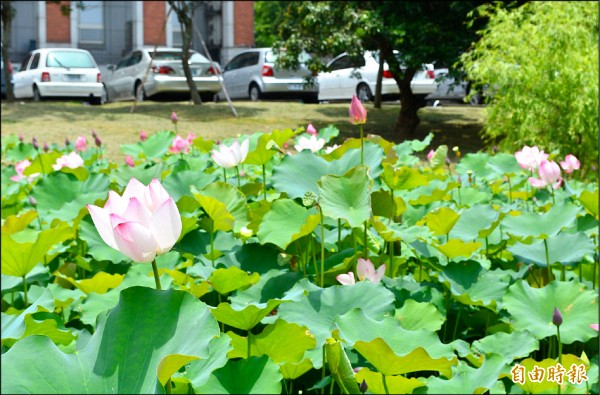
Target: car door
(237,74)
(23,87)
(230,74)
(336,83)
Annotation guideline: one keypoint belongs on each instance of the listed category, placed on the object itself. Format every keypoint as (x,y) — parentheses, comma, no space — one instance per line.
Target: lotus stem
(339,234)
(362,155)
(322,248)
(365,241)
(559,344)
(237,173)
(169,387)
(25,292)
(156,277)
(225,174)
(509,190)
(547,260)
(264,174)
(456,324)
(385,387)
(212,248)
(249,343)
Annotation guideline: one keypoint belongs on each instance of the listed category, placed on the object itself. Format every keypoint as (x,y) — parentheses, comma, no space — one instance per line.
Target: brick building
(110,29)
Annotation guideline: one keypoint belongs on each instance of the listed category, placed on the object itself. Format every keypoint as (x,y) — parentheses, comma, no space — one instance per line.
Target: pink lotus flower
(229,157)
(142,223)
(310,129)
(358,113)
(530,158)
(80,144)
(190,138)
(313,143)
(20,168)
(364,269)
(570,163)
(430,154)
(73,161)
(594,326)
(174,117)
(143,135)
(180,145)
(129,161)
(549,173)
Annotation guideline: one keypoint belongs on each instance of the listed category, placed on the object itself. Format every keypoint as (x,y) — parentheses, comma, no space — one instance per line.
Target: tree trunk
(187,43)
(408,120)
(377,100)
(7,16)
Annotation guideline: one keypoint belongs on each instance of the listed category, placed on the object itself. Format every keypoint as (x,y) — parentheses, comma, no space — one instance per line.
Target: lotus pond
(360,268)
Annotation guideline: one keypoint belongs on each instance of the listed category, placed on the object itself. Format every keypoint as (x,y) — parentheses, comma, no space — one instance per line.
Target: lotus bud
(129,161)
(310,129)
(358,113)
(363,386)
(174,117)
(67,142)
(94,135)
(35,143)
(143,135)
(98,141)
(557,317)
(32,201)
(21,138)
(46,148)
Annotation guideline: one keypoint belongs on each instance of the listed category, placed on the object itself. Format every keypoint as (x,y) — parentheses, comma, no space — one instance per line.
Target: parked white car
(59,73)
(252,74)
(124,81)
(359,77)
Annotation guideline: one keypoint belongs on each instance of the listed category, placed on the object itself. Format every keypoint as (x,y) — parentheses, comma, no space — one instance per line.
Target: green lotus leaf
(306,168)
(455,248)
(244,318)
(347,197)
(233,200)
(533,225)
(44,324)
(155,146)
(546,386)
(261,154)
(166,322)
(178,184)
(394,384)
(466,379)
(406,148)
(384,205)
(199,370)
(255,375)
(293,370)
(61,196)
(228,280)
(19,258)
(510,346)
(439,156)
(473,285)
(403,177)
(203,145)
(96,247)
(281,342)
(15,223)
(219,218)
(564,248)
(478,221)
(340,367)
(470,196)
(393,350)
(477,163)
(415,315)
(319,308)
(392,231)
(286,222)
(13,326)
(531,309)
(589,200)
(42,163)
(19,151)
(138,275)
(100,283)
(504,164)
(441,220)
(435,191)
(142,173)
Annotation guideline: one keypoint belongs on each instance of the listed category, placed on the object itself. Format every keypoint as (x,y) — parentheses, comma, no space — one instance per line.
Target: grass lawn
(116,124)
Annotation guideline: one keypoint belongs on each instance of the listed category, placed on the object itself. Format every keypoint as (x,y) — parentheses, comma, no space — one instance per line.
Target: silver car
(252,74)
(163,75)
(348,76)
(58,73)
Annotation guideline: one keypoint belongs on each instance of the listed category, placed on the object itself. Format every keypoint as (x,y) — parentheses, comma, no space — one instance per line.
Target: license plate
(196,72)
(73,77)
(295,87)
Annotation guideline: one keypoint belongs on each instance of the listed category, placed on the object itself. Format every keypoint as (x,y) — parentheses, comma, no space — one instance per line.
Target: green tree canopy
(540,62)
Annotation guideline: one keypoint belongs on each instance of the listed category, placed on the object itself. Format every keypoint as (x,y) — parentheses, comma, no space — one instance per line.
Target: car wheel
(255,93)
(104,98)
(37,96)
(140,92)
(363,92)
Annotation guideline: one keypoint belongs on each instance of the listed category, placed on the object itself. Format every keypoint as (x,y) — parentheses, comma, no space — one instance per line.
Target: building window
(91,23)
(176,30)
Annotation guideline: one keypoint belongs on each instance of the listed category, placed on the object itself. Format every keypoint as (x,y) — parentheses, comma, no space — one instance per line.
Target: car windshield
(271,57)
(176,55)
(70,59)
